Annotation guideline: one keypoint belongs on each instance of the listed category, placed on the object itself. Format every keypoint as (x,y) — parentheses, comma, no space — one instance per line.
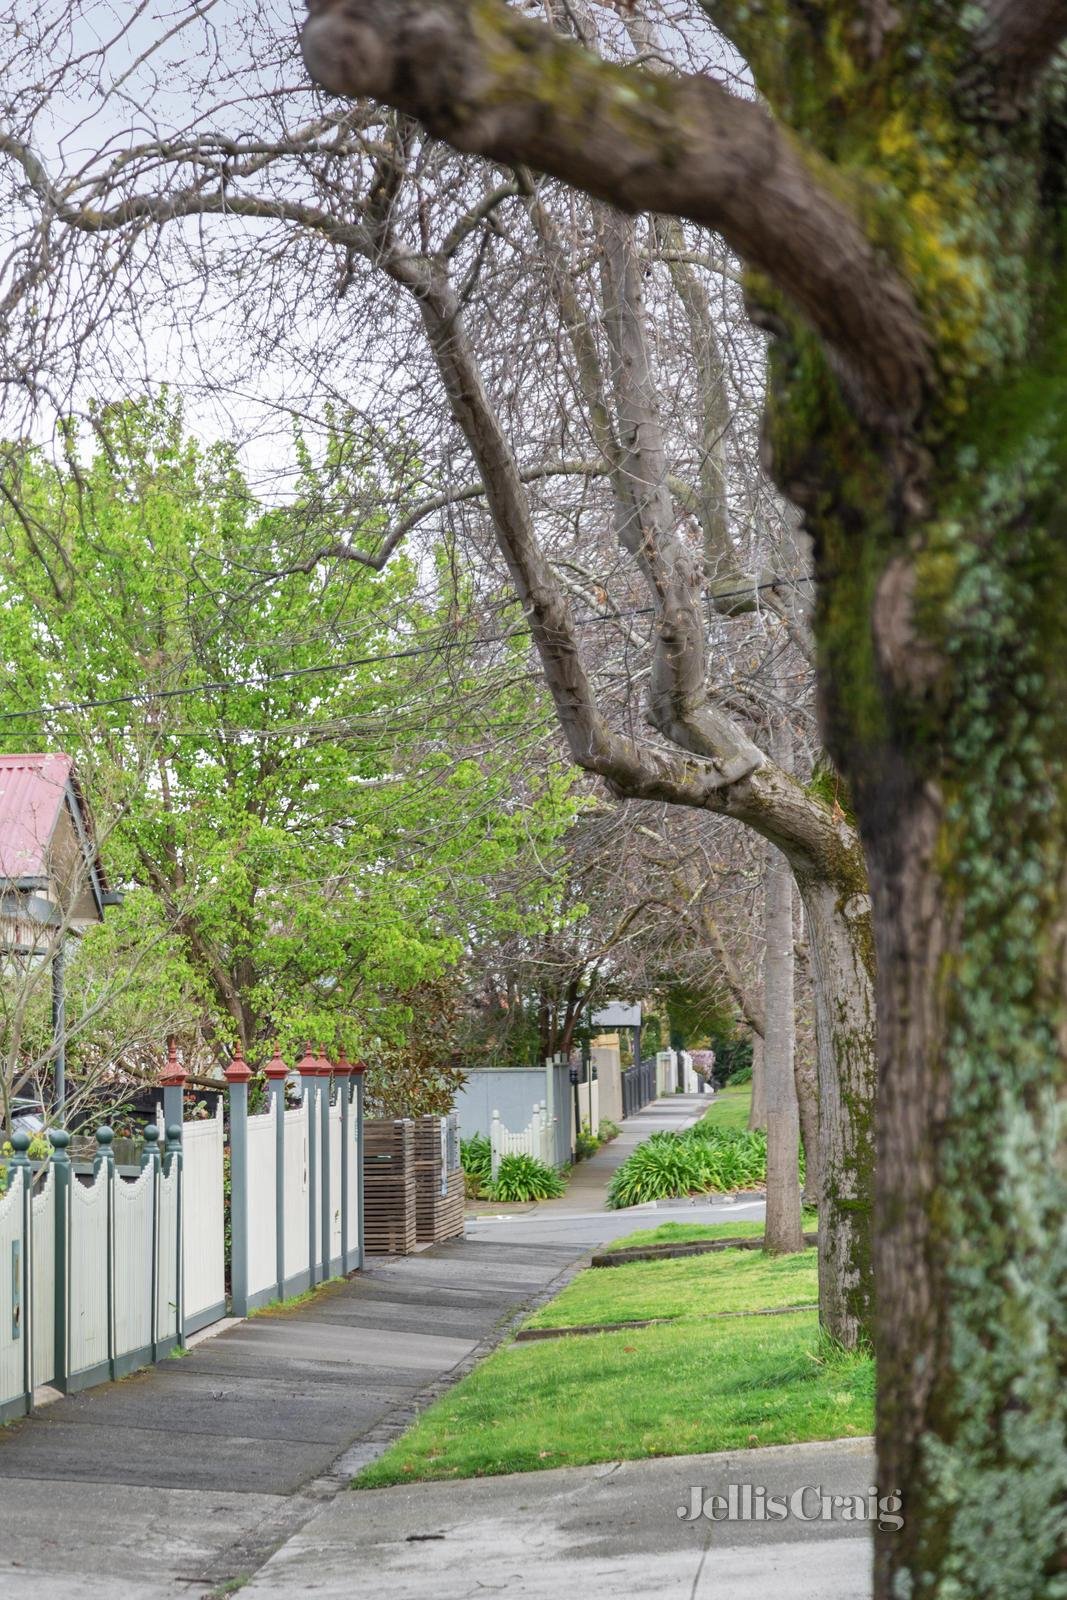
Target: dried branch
(499,84)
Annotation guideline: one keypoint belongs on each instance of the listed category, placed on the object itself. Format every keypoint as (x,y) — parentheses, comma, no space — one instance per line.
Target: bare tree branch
(499,84)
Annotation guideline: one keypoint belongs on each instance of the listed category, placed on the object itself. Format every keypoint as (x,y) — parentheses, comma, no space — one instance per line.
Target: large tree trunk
(782,1231)
(968,872)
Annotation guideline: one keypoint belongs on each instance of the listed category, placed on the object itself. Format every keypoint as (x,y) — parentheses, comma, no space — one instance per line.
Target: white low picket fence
(537,1139)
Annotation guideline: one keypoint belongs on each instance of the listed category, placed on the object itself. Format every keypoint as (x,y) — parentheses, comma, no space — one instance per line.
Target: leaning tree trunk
(782,1231)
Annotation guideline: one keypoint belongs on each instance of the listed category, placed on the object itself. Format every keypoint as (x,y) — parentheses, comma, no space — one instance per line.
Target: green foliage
(40,1150)
(523,1177)
(586,1144)
(309,842)
(476,1159)
(607,1130)
(733,1058)
(703,1160)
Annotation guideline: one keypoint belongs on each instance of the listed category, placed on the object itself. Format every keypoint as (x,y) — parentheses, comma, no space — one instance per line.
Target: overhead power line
(183,691)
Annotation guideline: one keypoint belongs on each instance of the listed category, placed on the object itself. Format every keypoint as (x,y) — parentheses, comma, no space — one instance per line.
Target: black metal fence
(638,1086)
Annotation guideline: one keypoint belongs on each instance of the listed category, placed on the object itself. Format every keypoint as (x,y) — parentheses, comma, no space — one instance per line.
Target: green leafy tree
(283,767)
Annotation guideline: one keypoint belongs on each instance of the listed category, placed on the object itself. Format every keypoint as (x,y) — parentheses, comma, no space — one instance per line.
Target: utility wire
(221,687)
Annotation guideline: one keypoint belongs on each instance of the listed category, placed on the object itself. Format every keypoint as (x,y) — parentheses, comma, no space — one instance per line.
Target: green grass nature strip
(691,1286)
(730,1108)
(660,1391)
(690,1232)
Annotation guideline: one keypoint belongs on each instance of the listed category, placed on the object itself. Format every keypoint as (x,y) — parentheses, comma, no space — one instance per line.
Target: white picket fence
(299,1171)
(93,1278)
(536,1139)
(103,1271)
(203,1222)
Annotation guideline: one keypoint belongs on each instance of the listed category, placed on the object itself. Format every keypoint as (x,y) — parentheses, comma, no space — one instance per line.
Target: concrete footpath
(599,1531)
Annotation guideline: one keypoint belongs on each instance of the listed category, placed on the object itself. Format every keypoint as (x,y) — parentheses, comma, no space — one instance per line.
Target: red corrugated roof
(33,791)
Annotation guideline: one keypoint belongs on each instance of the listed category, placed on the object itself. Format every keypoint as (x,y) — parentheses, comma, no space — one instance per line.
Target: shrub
(733,1060)
(476,1159)
(703,1160)
(608,1130)
(586,1144)
(522,1177)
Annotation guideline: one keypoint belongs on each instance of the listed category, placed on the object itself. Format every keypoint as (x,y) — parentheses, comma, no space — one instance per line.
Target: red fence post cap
(342,1066)
(307,1066)
(358,1068)
(276,1067)
(238,1070)
(173,1074)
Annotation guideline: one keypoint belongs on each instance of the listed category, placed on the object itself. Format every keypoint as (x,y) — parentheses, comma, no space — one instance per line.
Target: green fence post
(308,1069)
(105,1158)
(21,1280)
(173,1161)
(358,1069)
(237,1075)
(276,1073)
(150,1158)
(325,1225)
(343,1073)
(61,1169)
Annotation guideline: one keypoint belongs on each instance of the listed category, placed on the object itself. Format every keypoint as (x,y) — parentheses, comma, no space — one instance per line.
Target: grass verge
(694,1286)
(693,1384)
(687,1232)
(730,1108)
(660,1391)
